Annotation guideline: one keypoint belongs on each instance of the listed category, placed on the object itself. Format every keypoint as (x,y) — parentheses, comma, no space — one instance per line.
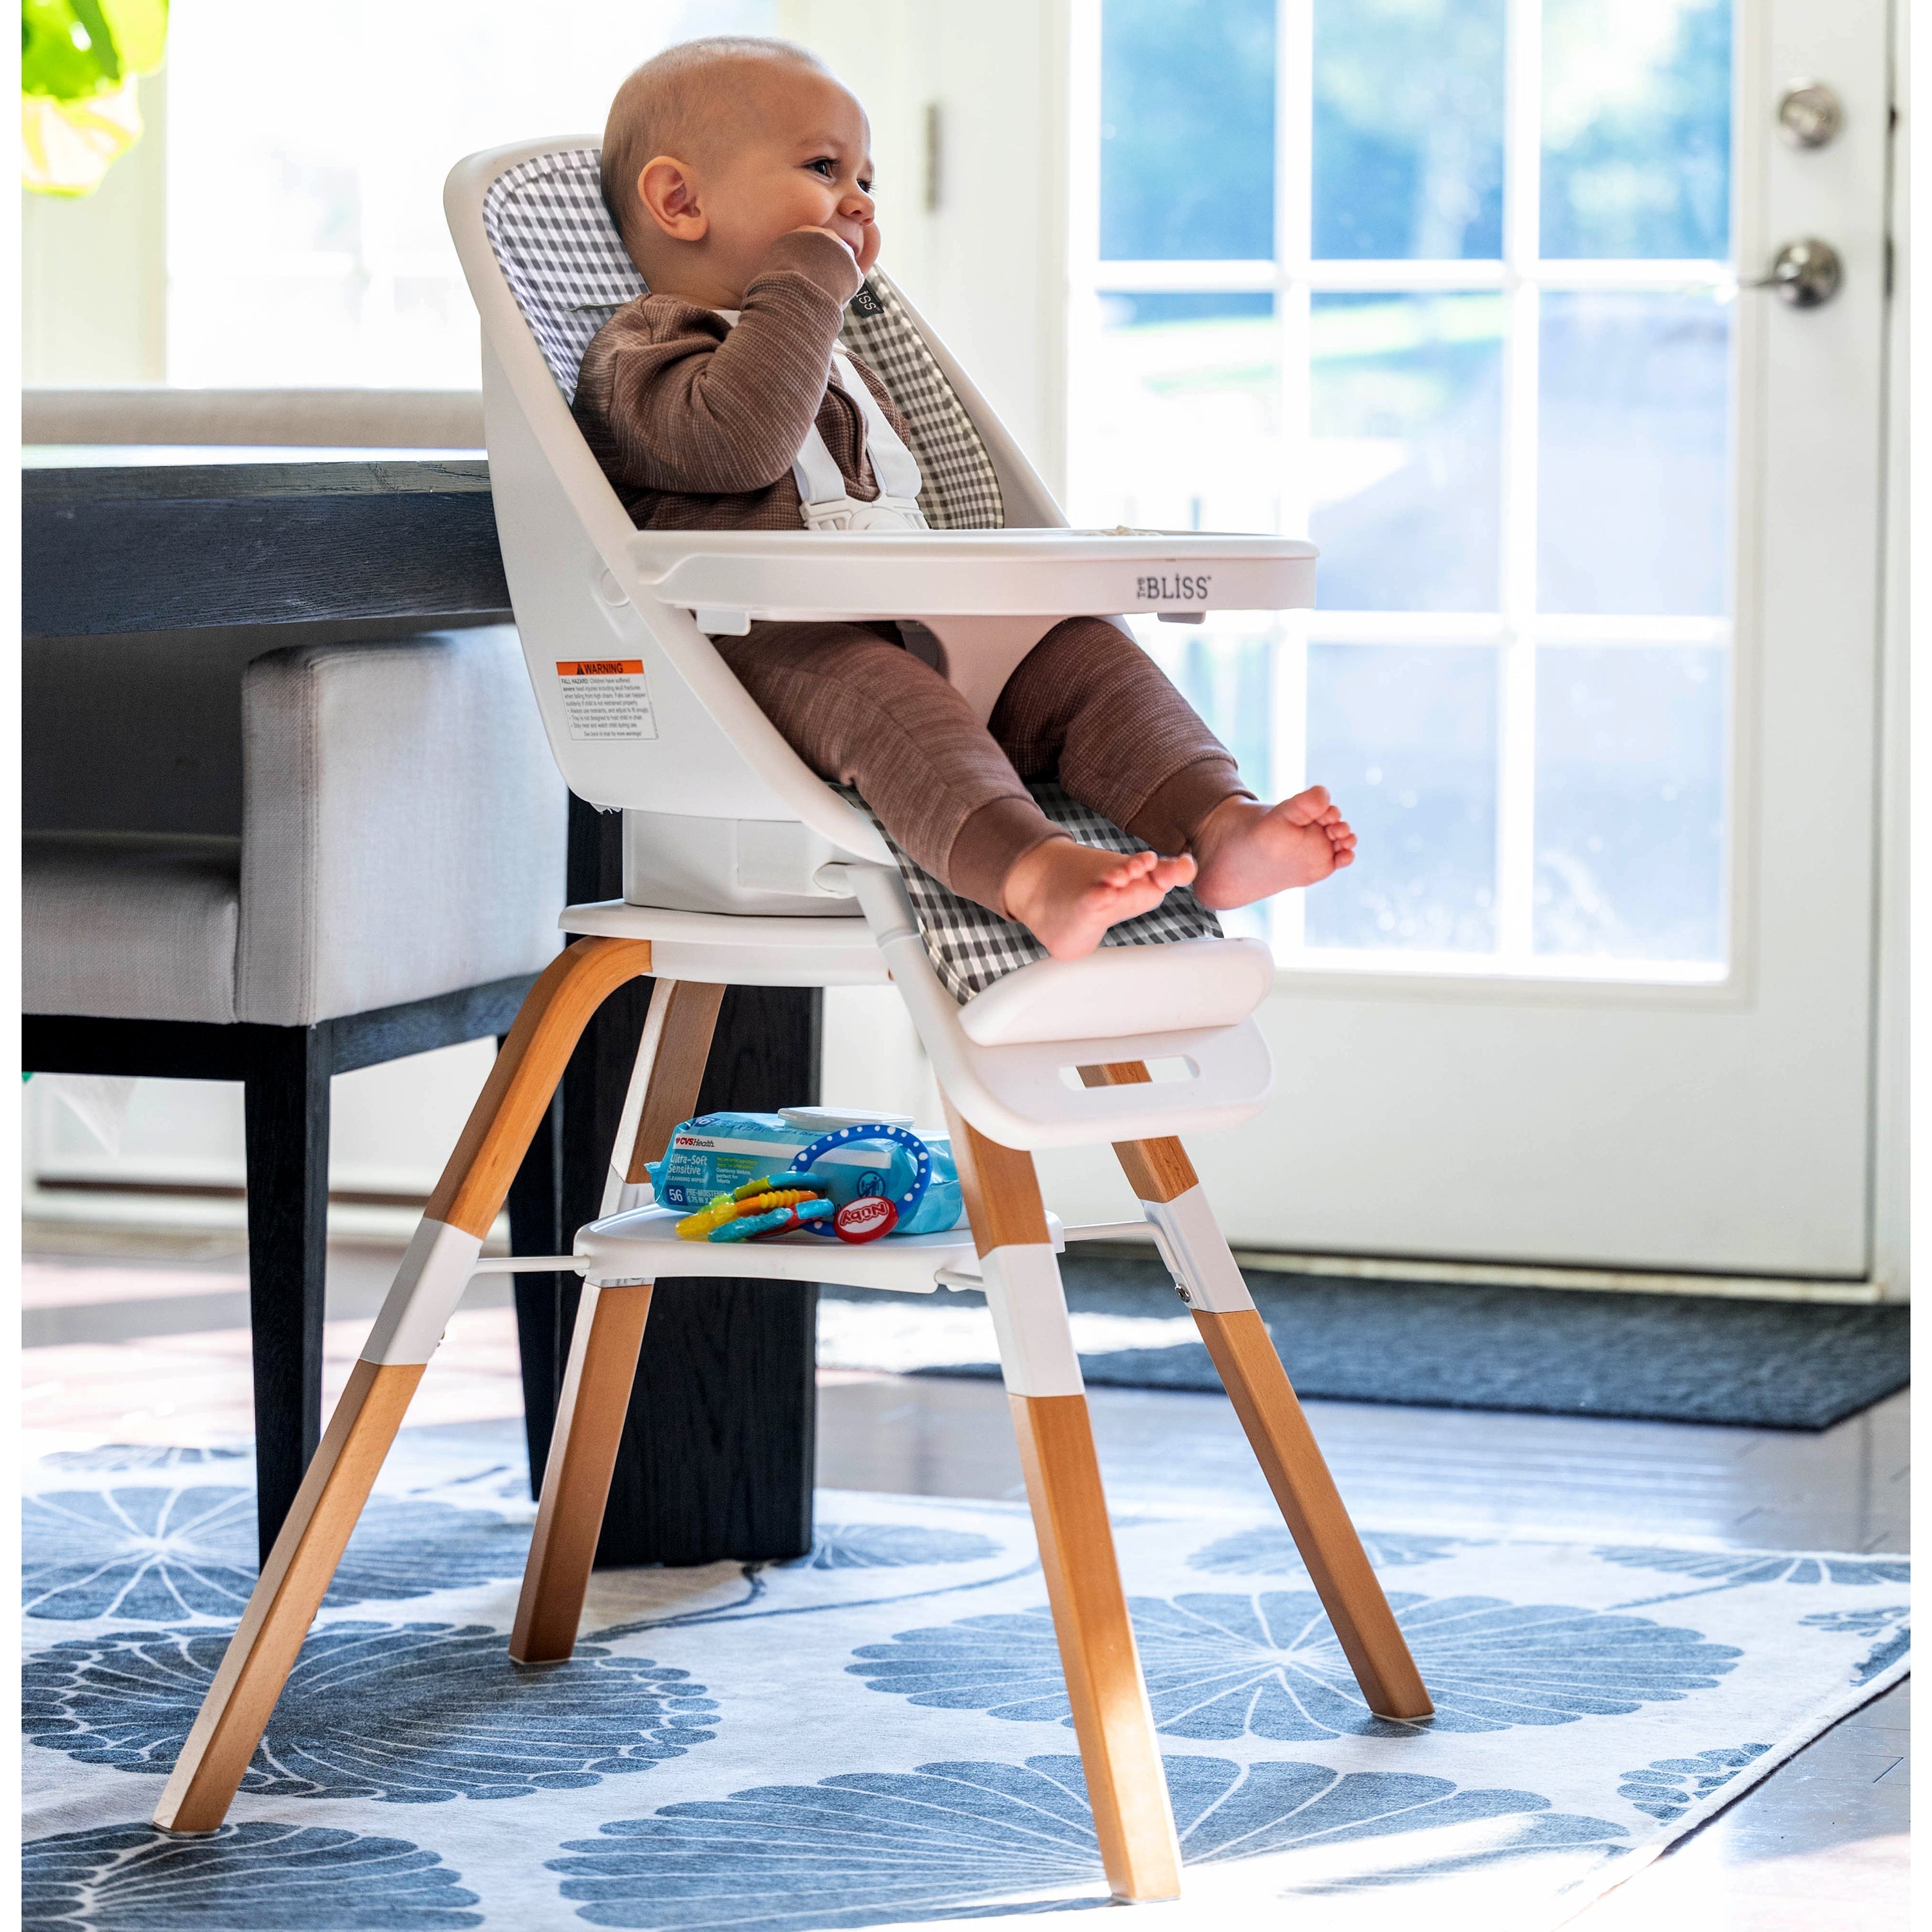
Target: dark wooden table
(718,1450)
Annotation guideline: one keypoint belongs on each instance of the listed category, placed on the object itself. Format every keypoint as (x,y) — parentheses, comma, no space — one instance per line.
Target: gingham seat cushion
(560,252)
(958,490)
(971,947)
(555,241)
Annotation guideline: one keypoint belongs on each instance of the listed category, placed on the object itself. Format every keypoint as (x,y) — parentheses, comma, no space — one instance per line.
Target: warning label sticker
(606,698)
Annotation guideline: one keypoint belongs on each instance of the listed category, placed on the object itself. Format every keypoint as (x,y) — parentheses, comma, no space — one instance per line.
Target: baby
(739,172)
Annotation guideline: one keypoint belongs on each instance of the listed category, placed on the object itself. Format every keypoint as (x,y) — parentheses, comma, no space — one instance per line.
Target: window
(1446,286)
(307,150)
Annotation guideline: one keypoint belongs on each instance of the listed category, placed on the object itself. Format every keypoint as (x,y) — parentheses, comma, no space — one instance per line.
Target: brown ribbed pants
(1087,707)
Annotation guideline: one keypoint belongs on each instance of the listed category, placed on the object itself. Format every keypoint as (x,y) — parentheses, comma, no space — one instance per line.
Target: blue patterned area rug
(877,1734)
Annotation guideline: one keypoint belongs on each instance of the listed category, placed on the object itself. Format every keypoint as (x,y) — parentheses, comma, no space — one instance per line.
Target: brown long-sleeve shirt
(696,422)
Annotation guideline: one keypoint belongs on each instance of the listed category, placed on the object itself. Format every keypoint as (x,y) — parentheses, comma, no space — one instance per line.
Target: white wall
(987,265)
(95,271)
(391,1129)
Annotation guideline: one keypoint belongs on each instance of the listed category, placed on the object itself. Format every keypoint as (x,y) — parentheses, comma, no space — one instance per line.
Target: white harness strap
(823,501)
(823,497)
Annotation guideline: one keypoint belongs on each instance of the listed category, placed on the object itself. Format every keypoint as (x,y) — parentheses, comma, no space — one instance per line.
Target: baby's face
(803,160)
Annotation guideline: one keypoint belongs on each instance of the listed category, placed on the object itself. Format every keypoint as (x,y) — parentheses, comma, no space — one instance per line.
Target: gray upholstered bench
(252,859)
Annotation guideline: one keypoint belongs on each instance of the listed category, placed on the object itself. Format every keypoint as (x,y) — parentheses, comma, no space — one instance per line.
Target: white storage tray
(643,1246)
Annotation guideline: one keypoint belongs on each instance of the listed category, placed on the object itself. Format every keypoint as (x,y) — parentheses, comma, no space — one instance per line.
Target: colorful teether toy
(780,1221)
(755,1198)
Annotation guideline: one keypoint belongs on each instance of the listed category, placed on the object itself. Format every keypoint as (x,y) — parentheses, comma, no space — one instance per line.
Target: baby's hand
(860,239)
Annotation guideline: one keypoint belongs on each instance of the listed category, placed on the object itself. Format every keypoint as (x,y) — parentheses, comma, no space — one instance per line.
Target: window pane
(1404,401)
(1405,740)
(1228,677)
(1226,671)
(1408,128)
(1637,128)
(1178,423)
(1187,131)
(1630,803)
(1633,476)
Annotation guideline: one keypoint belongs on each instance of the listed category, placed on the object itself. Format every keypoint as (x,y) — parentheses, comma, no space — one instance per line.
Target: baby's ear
(670,195)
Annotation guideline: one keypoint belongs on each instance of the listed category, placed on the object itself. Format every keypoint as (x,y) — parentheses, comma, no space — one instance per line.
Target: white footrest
(643,1246)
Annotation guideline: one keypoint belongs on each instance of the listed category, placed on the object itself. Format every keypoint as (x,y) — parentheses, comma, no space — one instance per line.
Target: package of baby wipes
(717,1154)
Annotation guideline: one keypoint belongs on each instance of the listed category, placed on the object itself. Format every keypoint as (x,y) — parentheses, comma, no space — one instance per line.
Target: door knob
(1804,274)
(1809,114)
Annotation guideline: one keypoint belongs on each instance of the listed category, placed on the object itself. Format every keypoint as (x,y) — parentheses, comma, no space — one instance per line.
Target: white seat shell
(586,583)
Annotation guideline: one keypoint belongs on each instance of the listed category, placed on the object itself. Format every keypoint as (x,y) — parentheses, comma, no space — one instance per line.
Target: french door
(1463,289)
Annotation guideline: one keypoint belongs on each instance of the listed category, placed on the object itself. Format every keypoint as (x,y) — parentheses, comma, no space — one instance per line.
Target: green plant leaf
(79,59)
(140,31)
(51,61)
(73,50)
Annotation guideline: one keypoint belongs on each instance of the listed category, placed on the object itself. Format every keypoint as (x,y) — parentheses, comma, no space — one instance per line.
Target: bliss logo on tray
(1170,590)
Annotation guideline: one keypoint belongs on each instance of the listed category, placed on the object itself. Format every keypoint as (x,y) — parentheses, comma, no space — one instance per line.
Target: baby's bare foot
(1067,895)
(1248,851)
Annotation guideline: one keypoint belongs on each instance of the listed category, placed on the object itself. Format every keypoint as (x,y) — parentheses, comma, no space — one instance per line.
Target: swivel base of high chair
(1010,1254)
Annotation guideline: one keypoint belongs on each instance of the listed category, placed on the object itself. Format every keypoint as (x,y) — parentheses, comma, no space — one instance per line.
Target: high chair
(743,867)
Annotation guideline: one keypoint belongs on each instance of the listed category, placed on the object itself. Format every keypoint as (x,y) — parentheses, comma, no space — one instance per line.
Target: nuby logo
(865,1218)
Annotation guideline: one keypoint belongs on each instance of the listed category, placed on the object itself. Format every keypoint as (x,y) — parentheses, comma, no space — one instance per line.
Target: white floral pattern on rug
(1269,1551)
(889,1546)
(403,1714)
(928,1842)
(145,1456)
(1669,1786)
(177,1555)
(267,1878)
(1731,1569)
(713,1754)
(1271,1666)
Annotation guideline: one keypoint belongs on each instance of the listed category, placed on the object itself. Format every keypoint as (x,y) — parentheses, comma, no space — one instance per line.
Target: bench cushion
(130,925)
(403,835)
(405,830)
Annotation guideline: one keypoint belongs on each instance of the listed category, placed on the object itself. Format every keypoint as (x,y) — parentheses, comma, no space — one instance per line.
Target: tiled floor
(145,1340)
(154,1347)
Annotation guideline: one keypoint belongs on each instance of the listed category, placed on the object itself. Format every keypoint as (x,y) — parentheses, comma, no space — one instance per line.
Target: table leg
(285,1114)
(718,1449)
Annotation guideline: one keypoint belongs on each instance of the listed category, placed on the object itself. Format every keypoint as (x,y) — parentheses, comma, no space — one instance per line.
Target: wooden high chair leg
(1111,1717)
(428,1287)
(609,1332)
(1163,1179)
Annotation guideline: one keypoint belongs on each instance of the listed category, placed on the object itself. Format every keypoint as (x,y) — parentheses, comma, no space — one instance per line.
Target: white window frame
(1516,630)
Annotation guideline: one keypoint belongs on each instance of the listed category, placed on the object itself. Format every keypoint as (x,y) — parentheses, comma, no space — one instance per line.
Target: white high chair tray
(828,576)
